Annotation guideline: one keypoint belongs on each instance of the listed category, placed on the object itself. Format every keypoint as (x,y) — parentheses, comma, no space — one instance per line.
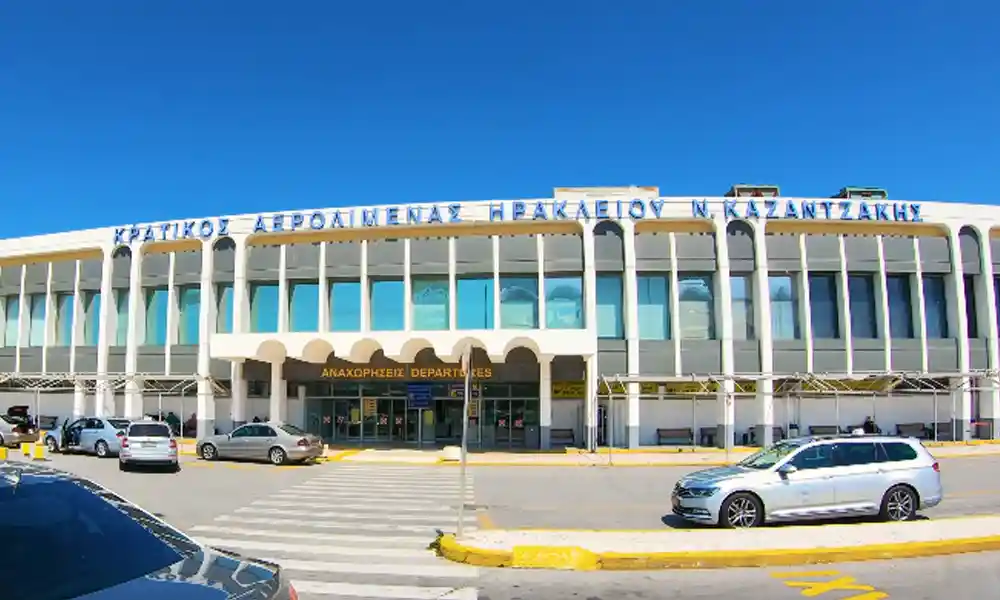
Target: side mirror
(787,469)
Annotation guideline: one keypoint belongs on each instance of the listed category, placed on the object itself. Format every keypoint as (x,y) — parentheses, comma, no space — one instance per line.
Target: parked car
(148,443)
(15,431)
(276,442)
(94,544)
(91,435)
(815,478)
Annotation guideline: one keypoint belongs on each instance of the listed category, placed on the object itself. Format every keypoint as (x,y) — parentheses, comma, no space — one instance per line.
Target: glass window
(519,302)
(189,311)
(121,317)
(897,289)
(935,306)
(564,302)
(697,307)
(814,457)
(861,289)
(970,306)
(137,430)
(823,305)
(898,452)
(91,318)
(345,306)
(224,308)
(387,305)
(156,317)
(610,306)
(303,306)
(742,293)
(12,314)
(70,515)
(474,302)
(430,303)
(784,295)
(654,307)
(859,453)
(36,321)
(64,319)
(264,300)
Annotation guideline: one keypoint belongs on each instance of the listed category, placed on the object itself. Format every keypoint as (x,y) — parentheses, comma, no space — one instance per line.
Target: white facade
(639,416)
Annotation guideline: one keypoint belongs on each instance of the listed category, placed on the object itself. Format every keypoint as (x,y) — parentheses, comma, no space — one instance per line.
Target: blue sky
(121,111)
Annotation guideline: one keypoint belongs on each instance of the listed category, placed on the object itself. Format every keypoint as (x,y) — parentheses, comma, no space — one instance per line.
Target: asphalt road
(969,577)
(639,497)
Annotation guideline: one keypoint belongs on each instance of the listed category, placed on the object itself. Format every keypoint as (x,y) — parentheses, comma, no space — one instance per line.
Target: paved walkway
(676,456)
(717,548)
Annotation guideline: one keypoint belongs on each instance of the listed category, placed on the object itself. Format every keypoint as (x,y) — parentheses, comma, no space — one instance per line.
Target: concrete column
(496,281)
(958,322)
(279,406)
(844,306)
(590,403)
(989,396)
(79,318)
(366,297)
(882,319)
(136,336)
(675,304)
(324,292)
(238,392)
(23,319)
(762,318)
(920,312)
(241,296)
(51,319)
(79,400)
(206,319)
(283,293)
(407,287)
(452,287)
(630,302)
(805,304)
(540,256)
(726,426)
(105,333)
(545,401)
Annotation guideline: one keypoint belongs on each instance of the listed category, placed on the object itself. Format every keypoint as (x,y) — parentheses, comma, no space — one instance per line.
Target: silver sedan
(276,442)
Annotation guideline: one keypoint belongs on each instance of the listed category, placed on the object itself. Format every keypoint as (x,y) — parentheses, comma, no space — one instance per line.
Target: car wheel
(50,443)
(101,448)
(209,452)
(277,456)
(122,465)
(175,468)
(741,511)
(899,504)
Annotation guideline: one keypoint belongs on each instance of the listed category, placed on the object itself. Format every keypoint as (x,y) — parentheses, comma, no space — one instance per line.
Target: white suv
(815,478)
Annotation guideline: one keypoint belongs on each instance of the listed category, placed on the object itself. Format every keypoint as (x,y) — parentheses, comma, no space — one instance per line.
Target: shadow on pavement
(672,521)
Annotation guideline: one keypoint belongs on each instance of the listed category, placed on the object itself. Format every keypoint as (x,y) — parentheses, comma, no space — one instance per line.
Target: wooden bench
(672,437)
(824,430)
(916,430)
(562,437)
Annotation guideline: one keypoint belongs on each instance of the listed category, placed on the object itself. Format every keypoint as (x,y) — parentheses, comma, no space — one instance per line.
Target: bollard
(3,452)
(38,452)
(26,448)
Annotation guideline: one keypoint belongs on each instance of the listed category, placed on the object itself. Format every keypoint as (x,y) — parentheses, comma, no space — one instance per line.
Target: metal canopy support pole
(467,366)
(934,421)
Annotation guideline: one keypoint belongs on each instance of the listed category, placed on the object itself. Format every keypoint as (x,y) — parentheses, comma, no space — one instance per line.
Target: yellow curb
(341,455)
(574,558)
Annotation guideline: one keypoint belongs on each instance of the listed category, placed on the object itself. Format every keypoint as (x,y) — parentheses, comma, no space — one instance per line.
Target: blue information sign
(419,396)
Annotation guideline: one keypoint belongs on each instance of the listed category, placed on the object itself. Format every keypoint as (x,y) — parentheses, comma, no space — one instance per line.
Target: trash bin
(532,437)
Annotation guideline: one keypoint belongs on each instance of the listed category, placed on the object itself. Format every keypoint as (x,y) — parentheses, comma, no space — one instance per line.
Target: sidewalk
(706,548)
(661,456)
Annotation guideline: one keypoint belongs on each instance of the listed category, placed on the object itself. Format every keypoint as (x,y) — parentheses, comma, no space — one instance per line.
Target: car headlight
(702,492)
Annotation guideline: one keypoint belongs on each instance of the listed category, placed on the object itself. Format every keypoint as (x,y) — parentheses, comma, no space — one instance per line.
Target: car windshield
(118,423)
(79,526)
(148,430)
(768,457)
(291,429)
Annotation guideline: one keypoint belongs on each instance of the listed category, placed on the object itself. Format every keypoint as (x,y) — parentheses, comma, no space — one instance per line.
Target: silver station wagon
(815,478)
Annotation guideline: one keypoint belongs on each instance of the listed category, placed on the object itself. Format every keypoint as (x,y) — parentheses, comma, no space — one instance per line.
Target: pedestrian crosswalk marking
(344,516)
(357,532)
(416,540)
(396,592)
(441,569)
(324,525)
(362,507)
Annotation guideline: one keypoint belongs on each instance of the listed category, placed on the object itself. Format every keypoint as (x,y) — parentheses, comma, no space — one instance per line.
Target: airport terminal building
(599,316)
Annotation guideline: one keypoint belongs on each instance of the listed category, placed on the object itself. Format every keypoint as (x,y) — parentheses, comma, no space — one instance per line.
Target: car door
(858,476)
(264,439)
(234,446)
(73,431)
(255,446)
(90,433)
(809,489)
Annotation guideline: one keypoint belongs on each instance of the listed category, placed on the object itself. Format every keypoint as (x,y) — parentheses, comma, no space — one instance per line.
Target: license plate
(149,444)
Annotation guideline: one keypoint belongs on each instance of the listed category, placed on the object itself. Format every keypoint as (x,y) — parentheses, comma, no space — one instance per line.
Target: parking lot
(639,497)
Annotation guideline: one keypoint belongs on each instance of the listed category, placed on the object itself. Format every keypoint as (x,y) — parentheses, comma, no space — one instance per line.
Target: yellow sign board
(370,406)
(473,408)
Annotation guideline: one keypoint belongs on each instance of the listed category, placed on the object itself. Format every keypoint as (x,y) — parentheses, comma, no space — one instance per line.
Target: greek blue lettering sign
(833,209)
(546,210)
